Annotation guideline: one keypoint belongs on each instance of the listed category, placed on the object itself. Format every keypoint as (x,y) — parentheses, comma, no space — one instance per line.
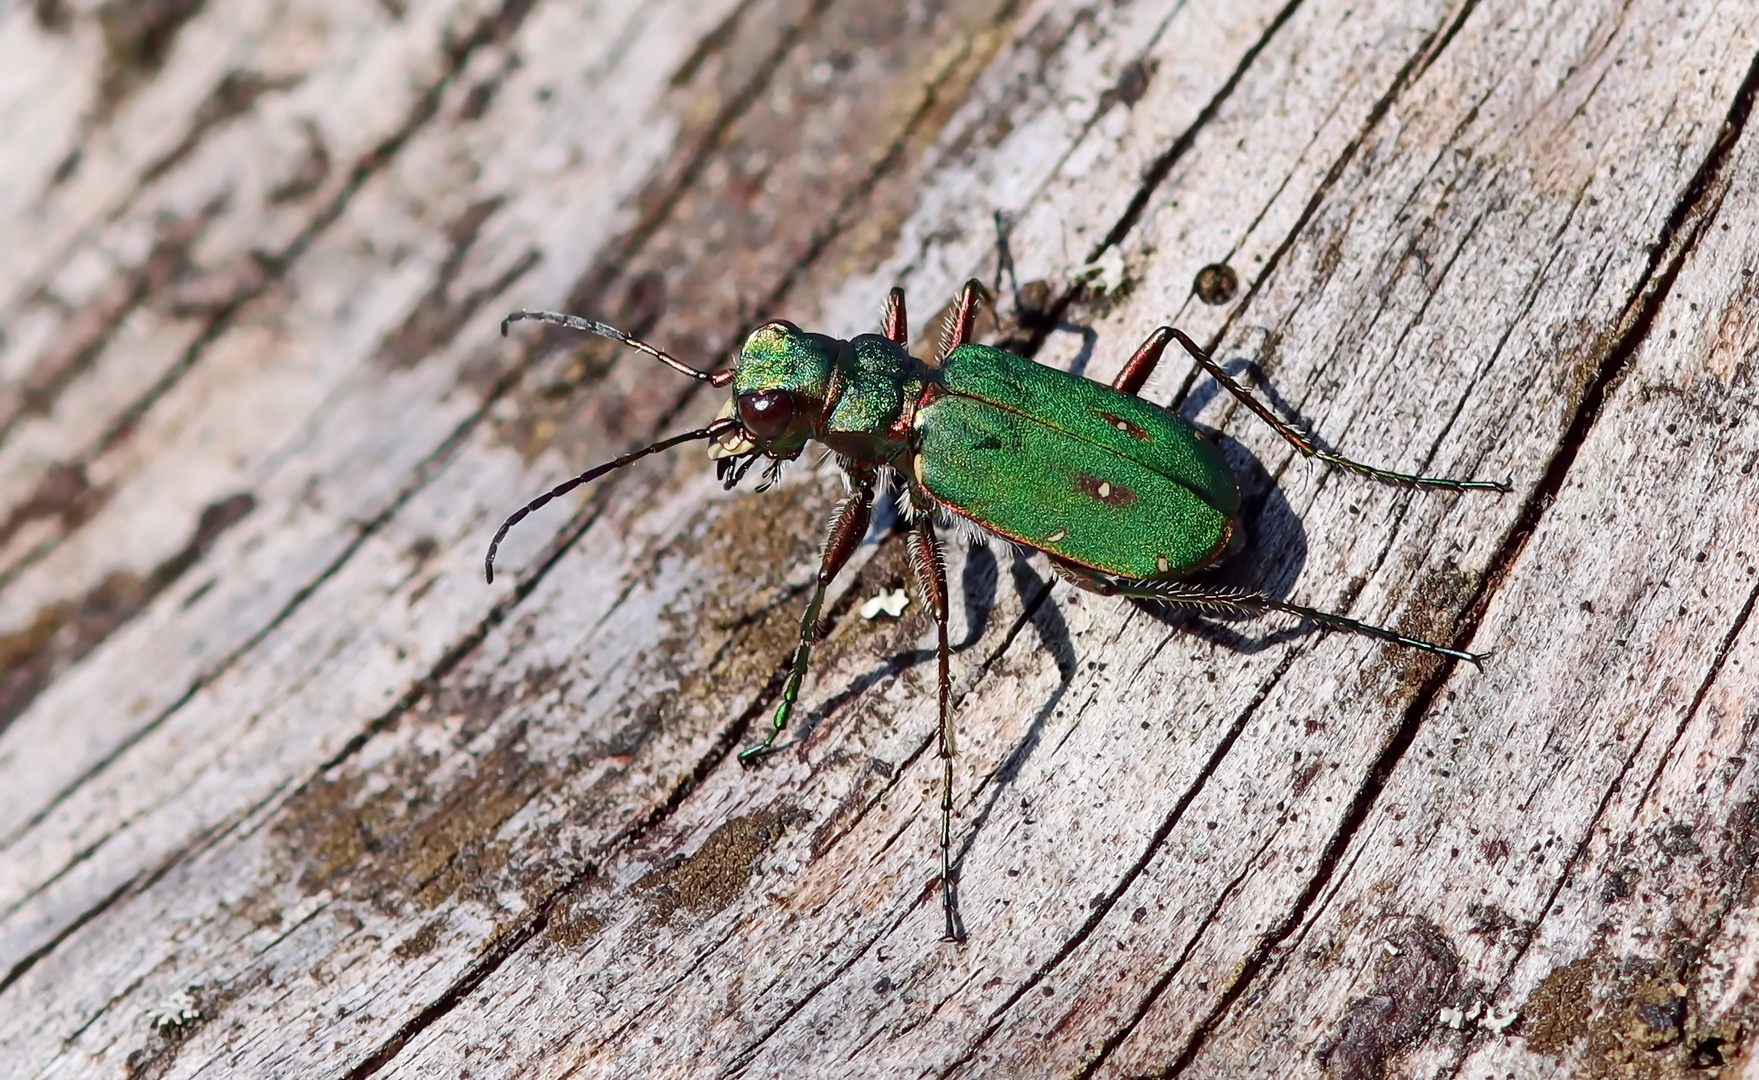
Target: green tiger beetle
(1124,497)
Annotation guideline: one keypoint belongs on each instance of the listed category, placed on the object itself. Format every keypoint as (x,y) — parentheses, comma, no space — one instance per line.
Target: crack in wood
(1710,676)
(32,958)
(743,1060)
(505,945)
(1689,219)
(894,157)
(274,267)
(657,210)
(1567,871)
(1159,837)
(1052,313)
(1406,76)
(1162,166)
(135,885)
(1160,985)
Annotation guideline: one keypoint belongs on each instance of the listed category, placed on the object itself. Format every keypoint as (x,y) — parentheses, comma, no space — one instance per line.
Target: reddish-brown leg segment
(959,328)
(895,324)
(1142,363)
(931,581)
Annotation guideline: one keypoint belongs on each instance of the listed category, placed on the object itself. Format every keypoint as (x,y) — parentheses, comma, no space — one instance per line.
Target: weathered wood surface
(270,744)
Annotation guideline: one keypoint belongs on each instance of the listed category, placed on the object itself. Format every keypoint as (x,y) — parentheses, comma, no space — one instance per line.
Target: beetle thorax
(857,397)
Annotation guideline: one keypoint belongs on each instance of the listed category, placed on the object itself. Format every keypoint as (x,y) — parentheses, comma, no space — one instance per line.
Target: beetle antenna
(593,326)
(713,431)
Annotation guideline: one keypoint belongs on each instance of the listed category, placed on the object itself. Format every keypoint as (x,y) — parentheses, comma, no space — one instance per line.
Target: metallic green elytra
(1124,497)
(1057,462)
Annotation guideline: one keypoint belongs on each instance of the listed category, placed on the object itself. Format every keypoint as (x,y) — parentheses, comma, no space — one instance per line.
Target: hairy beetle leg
(1206,597)
(931,580)
(894,322)
(847,529)
(961,319)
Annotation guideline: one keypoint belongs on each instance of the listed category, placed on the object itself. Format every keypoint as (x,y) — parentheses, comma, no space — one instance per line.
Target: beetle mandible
(1124,497)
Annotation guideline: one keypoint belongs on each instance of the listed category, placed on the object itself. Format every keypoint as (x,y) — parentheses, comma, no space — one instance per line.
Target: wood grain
(285,789)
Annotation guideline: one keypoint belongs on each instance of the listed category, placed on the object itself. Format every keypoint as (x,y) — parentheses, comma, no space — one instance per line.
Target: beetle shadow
(1270,560)
(1084,355)
(978,583)
(1054,637)
(1247,371)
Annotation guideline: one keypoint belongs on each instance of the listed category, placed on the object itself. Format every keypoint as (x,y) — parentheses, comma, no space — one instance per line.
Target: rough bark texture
(286,790)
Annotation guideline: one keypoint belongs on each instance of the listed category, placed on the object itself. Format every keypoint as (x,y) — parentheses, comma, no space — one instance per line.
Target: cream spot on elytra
(1056,536)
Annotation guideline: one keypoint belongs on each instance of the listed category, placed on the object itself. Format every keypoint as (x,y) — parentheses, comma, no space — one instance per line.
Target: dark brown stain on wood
(1413,980)
(421,942)
(138,35)
(716,873)
(63,492)
(63,633)
(1629,1018)
(408,840)
(573,923)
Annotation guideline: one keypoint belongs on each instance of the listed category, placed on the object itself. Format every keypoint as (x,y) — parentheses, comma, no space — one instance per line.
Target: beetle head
(779,389)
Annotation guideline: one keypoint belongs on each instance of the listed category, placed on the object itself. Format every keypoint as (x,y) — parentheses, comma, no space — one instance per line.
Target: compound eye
(767,414)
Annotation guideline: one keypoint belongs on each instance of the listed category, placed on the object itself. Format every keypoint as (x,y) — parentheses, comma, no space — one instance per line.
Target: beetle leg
(958,330)
(1206,597)
(1142,363)
(847,529)
(1081,577)
(894,324)
(931,580)
(1306,445)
